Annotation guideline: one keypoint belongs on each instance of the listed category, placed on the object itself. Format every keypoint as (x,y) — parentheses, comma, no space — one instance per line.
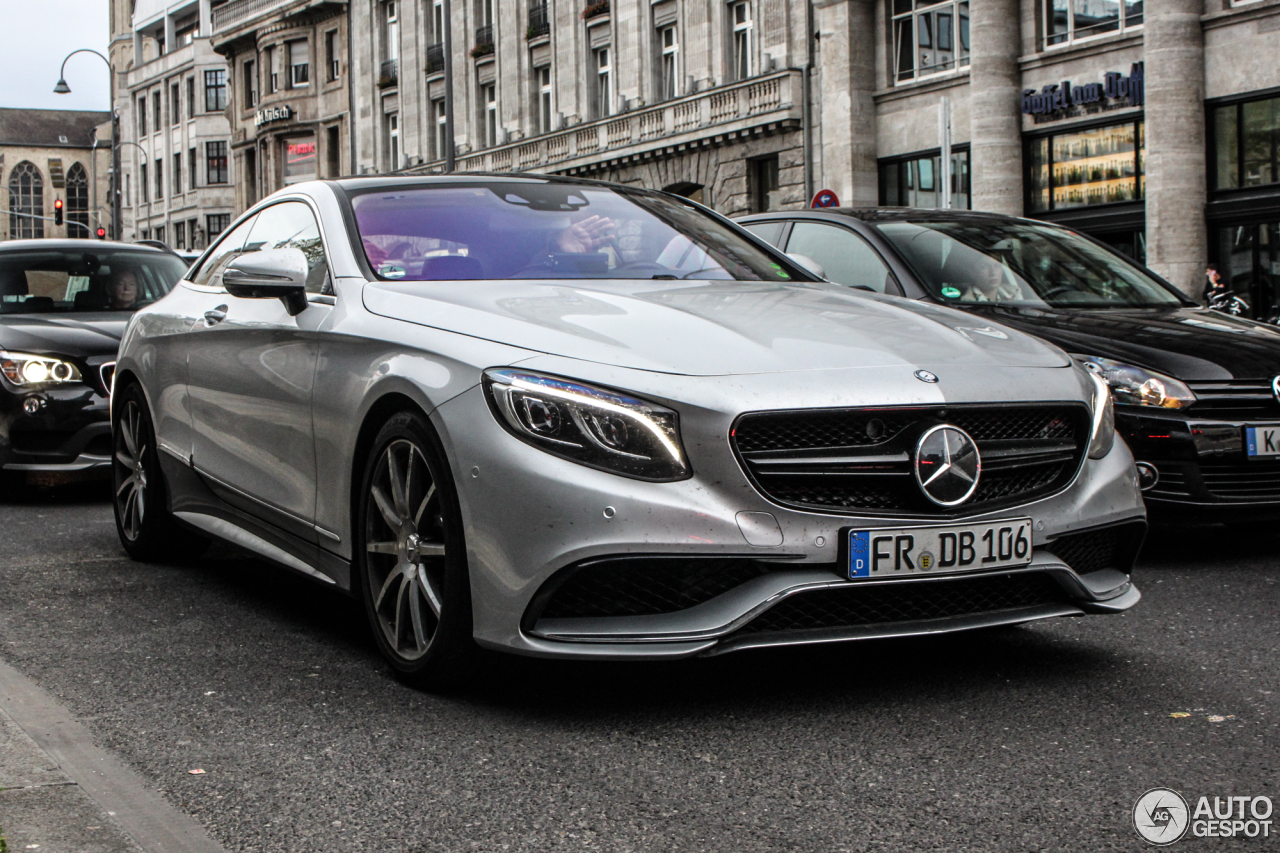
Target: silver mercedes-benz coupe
(567,418)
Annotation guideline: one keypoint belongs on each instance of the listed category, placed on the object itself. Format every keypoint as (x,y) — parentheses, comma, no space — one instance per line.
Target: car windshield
(75,280)
(1021,263)
(505,230)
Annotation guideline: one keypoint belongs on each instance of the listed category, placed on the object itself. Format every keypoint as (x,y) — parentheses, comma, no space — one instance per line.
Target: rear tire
(140,498)
(410,556)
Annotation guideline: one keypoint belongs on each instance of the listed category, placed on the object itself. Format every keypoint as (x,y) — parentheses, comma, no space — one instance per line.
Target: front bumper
(529,516)
(1204,472)
(70,432)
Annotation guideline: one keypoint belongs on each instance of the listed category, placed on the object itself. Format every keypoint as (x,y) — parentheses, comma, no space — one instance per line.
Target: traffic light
(102,233)
(57,211)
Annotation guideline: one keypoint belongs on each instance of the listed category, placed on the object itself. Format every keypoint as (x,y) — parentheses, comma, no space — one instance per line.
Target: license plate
(938,549)
(1262,441)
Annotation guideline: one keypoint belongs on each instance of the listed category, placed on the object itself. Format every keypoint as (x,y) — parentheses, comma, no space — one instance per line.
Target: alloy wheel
(130,470)
(405,545)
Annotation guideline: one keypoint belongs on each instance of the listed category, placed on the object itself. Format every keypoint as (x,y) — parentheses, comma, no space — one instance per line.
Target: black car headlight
(1103,433)
(1138,386)
(25,370)
(592,426)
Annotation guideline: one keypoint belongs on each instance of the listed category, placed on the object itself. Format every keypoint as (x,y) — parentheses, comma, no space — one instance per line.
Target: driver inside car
(991,284)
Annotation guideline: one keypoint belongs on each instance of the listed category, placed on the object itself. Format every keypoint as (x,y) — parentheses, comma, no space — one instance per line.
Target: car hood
(1186,343)
(710,328)
(74,336)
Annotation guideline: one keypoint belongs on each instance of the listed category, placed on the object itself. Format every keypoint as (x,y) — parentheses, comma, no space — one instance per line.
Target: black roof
(45,128)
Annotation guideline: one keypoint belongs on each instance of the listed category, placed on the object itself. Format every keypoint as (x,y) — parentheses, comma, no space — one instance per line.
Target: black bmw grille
(1114,547)
(861,459)
(874,604)
(642,586)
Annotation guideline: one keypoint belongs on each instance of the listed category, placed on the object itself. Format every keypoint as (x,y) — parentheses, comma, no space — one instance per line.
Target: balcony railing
(389,73)
(230,14)
(435,58)
(484,41)
(729,109)
(539,21)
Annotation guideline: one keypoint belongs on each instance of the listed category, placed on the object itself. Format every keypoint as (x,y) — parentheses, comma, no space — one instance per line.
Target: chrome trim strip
(83,462)
(302,521)
(224,529)
(329,533)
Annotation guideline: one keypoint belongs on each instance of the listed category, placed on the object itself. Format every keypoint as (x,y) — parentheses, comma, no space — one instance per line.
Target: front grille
(642,586)
(1114,547)
(1243,481)
(1234,398)
(876,604)
(1171,483)
(861,459)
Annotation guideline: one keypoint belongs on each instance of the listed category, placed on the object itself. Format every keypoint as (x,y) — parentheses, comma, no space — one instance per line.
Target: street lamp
(61,88)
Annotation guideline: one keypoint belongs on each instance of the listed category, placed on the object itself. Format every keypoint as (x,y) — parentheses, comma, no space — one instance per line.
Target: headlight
(592,426)
(1104,419)
(1138,386)
(23,369)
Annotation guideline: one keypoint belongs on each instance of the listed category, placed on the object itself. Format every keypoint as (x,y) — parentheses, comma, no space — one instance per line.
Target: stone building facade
(177,184)
(288,91)
(46,155)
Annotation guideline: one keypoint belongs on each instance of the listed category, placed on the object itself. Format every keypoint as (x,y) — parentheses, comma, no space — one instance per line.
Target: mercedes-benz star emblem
(947,465)
(926,376)
(1275,388)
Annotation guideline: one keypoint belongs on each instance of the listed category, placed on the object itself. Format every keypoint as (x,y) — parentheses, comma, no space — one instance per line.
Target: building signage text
(1063,100)
(272,114)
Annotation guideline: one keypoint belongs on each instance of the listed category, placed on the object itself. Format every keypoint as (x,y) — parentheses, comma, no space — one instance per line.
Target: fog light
(1148,476)
(31,405)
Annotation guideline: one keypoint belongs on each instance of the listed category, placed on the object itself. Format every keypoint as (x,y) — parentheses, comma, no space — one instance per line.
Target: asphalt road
(1036,738)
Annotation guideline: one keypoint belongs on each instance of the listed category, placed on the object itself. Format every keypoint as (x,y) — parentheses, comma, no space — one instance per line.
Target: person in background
(1215,285)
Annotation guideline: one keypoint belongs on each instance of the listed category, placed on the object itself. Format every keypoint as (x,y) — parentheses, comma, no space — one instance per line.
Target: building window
(1246,144)
(77,201)
(26,202)
(215,91)
(128,190)
(191,173)
(740,15)
(333,151)
(191,97)
(157,118)
(491,114)
(159,179)
(930,37)
(144,187)
(215,224)
(250,84)
(916,181)
(160,233)
(390,32)
(1067,21)
(175,106)
(179,235)
(215,155)
(177,174)
(764,184)
(669,68)
(300,159)
(142,116)
(331,54)
(273,76)
(604,83)
(437,21)
(299,67)
(546,119)
(186,31)
(1087,167)
(393,141)
(441,135)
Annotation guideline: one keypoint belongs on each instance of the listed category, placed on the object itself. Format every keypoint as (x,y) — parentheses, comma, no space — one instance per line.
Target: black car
(63,307)
(1197,391)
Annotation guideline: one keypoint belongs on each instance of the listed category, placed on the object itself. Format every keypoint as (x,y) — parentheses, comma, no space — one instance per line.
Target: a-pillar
(1173,73)
(995,116)
(847,62)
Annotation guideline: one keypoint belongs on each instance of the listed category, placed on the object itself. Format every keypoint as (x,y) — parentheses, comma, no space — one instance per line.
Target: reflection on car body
(570,419)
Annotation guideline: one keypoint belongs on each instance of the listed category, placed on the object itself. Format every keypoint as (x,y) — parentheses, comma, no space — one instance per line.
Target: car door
(845,257)
(251,372)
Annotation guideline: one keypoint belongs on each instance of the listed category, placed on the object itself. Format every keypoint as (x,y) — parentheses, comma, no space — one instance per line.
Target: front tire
(410,556)
(146,529)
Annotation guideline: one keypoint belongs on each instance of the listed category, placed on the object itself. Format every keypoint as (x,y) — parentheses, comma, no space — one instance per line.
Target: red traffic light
(57,204)
(57,211)
(102,233)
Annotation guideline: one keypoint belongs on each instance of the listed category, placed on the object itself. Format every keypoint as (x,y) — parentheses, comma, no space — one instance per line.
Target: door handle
(216,316)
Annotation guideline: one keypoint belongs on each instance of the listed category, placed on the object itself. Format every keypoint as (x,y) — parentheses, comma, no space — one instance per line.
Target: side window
(210,272)
(770,232)
(291,225)
(844,256)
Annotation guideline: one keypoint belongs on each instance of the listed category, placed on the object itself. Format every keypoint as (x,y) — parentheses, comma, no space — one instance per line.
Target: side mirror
(808,263)
(270,274)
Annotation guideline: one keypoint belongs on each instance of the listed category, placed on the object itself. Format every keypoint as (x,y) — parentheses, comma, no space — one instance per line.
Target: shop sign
(268,115)
(1066,100)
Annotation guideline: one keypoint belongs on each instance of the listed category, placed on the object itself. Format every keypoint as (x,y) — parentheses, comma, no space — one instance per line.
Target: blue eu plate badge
(859,554)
